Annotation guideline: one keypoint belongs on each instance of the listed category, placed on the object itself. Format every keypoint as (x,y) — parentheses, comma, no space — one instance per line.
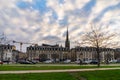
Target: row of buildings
(56,52)
(59,53)
(9,53)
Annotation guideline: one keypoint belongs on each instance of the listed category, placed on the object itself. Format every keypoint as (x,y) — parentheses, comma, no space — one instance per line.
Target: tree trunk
(98,56)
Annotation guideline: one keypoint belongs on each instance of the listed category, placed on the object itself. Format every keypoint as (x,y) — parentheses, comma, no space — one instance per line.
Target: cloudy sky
(45,21)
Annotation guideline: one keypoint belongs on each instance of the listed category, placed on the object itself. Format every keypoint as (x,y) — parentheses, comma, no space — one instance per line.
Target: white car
(88,61)
(77,61)
(67,61)
(113,61)
(48,61)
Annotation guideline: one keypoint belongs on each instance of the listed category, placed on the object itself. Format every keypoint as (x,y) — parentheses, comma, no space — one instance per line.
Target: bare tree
(55,56)
(98,37)
(107,58)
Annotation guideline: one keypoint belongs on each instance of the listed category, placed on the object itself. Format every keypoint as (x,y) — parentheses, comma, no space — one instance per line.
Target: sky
(46,21)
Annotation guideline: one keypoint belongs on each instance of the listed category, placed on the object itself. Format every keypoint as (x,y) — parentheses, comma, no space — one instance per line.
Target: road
(50,71)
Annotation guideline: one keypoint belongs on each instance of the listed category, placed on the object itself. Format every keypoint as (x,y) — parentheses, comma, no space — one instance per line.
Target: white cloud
(100,6)
(30,25)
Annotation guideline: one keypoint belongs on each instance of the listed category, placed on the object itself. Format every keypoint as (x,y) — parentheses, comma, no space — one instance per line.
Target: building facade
(89,53)
(18,55)
(6,52)
(59,53)
(45,52)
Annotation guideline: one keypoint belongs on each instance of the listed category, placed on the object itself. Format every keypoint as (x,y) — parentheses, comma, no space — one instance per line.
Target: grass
(13,68)
(38,67)
(89,75)
(100,75)
(42,76)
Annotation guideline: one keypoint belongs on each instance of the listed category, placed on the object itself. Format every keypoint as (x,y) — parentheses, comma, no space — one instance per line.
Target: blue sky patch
(23,5)
(110,8)
(86,10)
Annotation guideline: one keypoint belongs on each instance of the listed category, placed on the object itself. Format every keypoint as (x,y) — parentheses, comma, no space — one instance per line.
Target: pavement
(51,71)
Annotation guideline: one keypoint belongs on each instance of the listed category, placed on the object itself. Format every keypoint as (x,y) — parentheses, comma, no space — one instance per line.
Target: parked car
(112,61)
(94,62)
(83,62)
(118,61)
(88,61)
(1,62)
(77,61)
(24,62)
(48,61)
(67,61)
(34,61)
(5,61)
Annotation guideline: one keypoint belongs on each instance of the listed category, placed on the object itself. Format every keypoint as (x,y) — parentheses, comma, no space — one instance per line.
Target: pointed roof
(67,42)
(67,34)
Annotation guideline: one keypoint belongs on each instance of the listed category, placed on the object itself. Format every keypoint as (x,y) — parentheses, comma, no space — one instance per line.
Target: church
(46,51)
(60,53)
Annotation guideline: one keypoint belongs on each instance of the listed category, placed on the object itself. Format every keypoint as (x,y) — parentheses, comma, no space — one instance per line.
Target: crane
(21,43)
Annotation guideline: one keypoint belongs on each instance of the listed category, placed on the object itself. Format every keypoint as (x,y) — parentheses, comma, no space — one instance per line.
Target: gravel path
(50,71)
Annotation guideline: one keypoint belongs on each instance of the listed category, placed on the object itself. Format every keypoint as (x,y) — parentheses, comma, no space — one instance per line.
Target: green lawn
(46,67)
(41,76)
(13,68)
(89,75)
(23,67)
(100,75)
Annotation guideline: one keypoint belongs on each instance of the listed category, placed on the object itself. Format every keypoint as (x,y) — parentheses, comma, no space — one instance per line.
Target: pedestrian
(80,61)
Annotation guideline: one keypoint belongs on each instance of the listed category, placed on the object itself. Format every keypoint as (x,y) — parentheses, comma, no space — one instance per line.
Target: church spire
(67,42)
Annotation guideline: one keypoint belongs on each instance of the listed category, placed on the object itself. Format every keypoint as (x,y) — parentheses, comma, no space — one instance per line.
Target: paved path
(49,71)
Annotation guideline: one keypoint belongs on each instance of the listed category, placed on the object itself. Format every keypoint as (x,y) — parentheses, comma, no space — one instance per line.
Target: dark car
(34,61)
(24,62)
(94,62)
(6,61)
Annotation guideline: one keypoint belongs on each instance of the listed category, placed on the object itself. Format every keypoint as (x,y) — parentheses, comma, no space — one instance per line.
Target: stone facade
(18,55)
(6,52)
(89,53)
(60,53)
(46,51)
(57,52)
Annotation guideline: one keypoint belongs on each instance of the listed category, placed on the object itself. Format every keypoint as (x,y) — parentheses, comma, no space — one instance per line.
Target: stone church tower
(67,42)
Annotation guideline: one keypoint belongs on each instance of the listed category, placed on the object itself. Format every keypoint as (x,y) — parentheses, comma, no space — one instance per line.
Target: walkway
(49,71)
